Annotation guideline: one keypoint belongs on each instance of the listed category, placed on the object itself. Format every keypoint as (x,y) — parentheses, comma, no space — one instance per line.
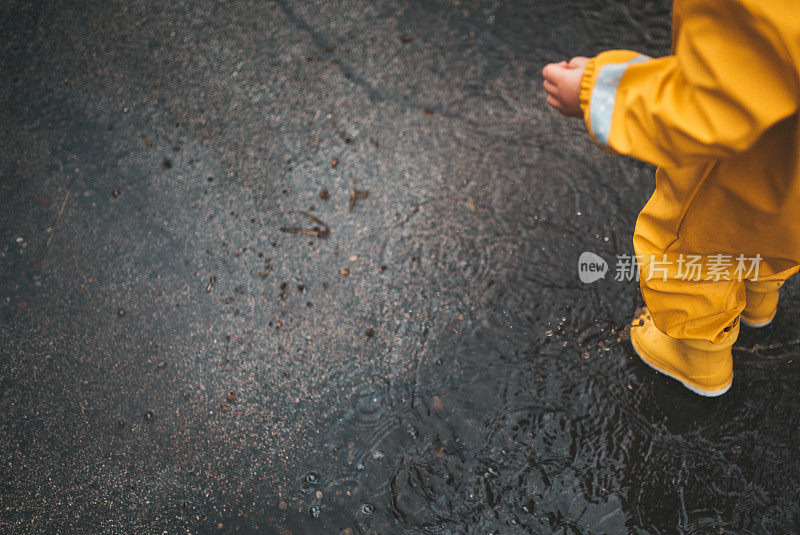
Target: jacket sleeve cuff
(587,84)
(599,87)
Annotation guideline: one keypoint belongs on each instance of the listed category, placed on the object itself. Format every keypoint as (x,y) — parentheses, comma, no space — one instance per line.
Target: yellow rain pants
(719,117)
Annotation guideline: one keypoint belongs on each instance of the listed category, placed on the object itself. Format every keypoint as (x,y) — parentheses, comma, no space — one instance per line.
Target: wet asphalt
(310,267)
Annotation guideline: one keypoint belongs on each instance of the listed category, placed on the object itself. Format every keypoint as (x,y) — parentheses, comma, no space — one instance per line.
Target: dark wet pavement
(172,361)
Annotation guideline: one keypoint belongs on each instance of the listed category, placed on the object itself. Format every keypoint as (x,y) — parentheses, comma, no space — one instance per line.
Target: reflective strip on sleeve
(604,96)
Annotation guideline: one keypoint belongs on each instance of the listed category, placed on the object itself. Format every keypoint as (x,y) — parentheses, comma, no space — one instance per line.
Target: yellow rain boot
(701,366)
(762,303)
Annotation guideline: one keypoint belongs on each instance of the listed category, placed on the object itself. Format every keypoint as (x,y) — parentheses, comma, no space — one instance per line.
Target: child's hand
(562,81)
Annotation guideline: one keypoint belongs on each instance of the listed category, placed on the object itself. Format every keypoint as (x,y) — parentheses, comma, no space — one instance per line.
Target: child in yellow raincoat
(719,117)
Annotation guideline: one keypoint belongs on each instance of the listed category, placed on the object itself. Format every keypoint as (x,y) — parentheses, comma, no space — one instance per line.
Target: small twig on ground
(758,348)
(58,218)
(355,194)
(322,232)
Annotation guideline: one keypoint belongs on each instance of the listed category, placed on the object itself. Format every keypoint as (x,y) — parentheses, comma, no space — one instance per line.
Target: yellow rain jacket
(719,117)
